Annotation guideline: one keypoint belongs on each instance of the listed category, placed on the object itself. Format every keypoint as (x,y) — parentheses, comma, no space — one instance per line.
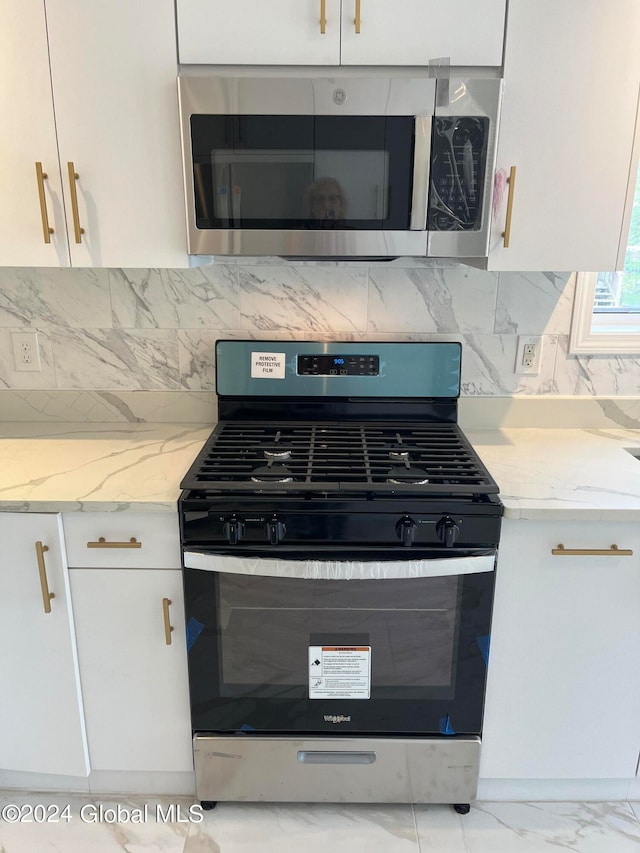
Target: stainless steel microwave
(338,167)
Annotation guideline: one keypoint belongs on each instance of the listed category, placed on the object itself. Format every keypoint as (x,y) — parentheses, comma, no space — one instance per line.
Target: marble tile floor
(92,825)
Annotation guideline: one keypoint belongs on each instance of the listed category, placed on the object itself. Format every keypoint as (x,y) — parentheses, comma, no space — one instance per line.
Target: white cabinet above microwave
(340,32)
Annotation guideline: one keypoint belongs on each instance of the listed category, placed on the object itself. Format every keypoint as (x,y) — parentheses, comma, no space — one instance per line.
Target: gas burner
(276,451)
(402,451)
(408,476)
(272,474)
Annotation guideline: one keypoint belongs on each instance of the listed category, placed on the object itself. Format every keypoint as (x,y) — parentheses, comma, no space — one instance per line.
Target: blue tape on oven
(245,727)
(193,631)
(484,643)
(445,726)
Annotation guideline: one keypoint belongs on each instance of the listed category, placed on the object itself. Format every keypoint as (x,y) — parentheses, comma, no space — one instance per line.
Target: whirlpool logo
(337,718)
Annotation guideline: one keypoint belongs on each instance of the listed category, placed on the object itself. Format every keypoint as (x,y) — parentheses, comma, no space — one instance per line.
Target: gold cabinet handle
(511,180)
(102,543)
(323,16)
(357,18)
(73,177)
(614,551)
(168,627)
(41,177)
(42,569)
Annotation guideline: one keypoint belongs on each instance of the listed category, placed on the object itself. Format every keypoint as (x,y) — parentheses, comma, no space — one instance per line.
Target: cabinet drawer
(103,540)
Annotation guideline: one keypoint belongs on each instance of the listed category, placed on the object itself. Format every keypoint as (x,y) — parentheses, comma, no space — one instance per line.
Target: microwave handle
(421,161)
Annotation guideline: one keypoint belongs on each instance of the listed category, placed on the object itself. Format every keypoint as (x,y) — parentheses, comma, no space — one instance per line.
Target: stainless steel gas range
(339,541)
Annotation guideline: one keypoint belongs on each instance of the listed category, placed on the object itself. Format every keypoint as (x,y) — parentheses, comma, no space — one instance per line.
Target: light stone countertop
(564,474)
(542,473)
(50,467)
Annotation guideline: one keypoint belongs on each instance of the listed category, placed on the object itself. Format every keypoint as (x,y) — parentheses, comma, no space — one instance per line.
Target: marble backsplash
(116,331)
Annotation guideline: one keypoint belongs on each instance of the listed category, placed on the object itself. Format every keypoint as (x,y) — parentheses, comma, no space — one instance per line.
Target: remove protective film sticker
(267,365)
(339,672)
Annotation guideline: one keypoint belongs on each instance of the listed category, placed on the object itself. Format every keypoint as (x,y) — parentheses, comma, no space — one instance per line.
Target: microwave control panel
(338,365)
(458,161)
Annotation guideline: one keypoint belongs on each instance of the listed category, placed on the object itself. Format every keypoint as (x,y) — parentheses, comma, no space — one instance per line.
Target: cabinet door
(571,72)
(135,686)
(28,136)
(41,717)
(563,690)
(113,69)
(281,32)
(415,32)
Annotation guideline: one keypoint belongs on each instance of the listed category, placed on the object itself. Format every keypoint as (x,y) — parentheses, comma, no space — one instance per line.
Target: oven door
(342,646)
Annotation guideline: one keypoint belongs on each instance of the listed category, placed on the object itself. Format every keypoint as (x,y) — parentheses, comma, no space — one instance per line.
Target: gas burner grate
(339,457)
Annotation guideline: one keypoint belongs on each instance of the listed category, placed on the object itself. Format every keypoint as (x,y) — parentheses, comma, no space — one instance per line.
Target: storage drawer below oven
(336,770)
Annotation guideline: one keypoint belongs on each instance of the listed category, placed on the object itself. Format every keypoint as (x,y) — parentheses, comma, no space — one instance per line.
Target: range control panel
(338,365)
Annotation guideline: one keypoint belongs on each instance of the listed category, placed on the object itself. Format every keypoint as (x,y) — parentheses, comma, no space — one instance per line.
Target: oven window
(268,624)
(302,172)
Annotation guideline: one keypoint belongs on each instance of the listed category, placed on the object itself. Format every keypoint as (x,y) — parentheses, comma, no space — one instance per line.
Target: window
(606,313)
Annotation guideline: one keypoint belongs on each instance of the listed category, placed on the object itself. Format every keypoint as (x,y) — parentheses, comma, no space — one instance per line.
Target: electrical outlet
(26,352)
(529,355)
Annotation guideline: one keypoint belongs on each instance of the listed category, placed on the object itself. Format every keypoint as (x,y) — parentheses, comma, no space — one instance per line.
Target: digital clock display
(338,365)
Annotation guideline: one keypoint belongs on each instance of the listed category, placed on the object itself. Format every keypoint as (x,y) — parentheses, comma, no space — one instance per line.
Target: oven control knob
(406,529)
(275,531)
(447,530)
(233,530)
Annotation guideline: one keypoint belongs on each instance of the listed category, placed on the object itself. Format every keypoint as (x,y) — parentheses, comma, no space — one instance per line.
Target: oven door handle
(326,569)
(421,169)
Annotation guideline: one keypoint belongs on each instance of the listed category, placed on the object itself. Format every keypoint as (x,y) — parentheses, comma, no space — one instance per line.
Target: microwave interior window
(329,187)
(302,172)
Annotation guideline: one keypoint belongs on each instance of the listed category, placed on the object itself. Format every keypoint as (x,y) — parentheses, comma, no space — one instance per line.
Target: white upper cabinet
(108,69)
(28,137)
(334,32)
(416,32)
(252,32)
(571,81)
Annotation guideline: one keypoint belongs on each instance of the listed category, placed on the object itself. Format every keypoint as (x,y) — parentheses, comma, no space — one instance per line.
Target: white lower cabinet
(41,716)
(133,669)
(563,691)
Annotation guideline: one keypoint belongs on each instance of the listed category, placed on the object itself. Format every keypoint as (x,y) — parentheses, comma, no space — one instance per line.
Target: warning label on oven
(339,672)
(267,365)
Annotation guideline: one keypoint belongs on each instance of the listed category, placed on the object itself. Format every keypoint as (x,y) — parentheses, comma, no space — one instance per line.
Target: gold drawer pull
(102,543)
(323,16)
(357,20)
(73,177)
(511,180)
(614,551)
(168,627)
(42,569)
(41,177)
